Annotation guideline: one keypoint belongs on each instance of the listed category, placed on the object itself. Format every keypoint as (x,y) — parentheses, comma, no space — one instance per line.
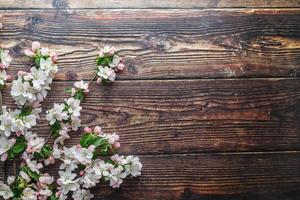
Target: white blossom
(32,164)
(67,182)
(57,113)
(35,144)
(25,176)
(46,179)
(74,107)
(82,194)
(29,194)
(84,155)
(3,77)
(6,144)
(69,158)
(5,191)
(10,180)
(81,85)
(4,58)
(106,73)
(6,122)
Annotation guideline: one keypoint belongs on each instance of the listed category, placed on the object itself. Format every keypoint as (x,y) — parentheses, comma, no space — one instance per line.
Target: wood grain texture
(163,44)
(185,116)
(210,176)
(77,4)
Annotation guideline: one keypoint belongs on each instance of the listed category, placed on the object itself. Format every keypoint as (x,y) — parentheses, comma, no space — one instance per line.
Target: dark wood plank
(185,116)
(161,44)
(67,4)
(211,176)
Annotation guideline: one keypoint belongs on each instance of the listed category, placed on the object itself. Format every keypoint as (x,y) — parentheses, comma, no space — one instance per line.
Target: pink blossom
(101,53)
(97,130)
(54,57)
(112,50)
(35,46)
(29,53)
(117,145)
(18,133)
(99,80)
(9,77)
(121,66)
(4,157)
(87,129)
(44,51)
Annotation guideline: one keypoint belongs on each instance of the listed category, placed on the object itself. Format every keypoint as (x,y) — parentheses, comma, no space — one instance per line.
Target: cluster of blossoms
(28,91)
(64,117)
(108,64)
(5,60)
(83,158)
(83,165)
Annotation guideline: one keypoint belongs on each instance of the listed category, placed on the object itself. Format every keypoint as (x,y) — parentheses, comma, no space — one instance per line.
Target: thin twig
(4,171)
(95,75)
(15,168)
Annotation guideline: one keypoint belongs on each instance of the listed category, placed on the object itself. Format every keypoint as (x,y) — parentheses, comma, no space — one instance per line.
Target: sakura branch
(28,91)
(82,166)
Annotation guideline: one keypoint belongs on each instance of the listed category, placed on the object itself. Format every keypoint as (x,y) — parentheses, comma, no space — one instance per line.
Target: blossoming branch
(83,165)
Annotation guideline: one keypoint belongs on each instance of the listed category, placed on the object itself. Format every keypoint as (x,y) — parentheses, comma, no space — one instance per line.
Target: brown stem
(4,171)
(95,75)
(15,168)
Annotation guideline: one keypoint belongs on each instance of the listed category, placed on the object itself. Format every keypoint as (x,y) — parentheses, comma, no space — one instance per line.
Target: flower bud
(99,80)
(54,57)
(87,129)
(117,145)
(35,46)
(44,51)
(9,77)
(98,130)
(121,66)
(29,53)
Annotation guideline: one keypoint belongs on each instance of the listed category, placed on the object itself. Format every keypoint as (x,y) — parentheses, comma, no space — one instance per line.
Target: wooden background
(210,100)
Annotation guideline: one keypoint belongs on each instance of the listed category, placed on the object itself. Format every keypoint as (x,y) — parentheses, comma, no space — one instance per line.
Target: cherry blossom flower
(4,58)
(5,191)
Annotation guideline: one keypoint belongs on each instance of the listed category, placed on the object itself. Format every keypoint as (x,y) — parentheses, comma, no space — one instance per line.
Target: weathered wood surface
(180,127)
(161,44)
(67,4)
(225,176)
(185,116)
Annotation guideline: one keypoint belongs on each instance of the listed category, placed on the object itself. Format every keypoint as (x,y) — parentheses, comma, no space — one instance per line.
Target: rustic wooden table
(210,100)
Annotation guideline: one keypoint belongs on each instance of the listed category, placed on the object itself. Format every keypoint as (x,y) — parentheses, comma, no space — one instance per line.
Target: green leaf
(11,154)
(87,139)
(37,61)
(100,141)
(55,128)
(46,151)
(104,61)
(18,148)
(79,95)
(25,111)
(53,197)
(68,90)
(35,176)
